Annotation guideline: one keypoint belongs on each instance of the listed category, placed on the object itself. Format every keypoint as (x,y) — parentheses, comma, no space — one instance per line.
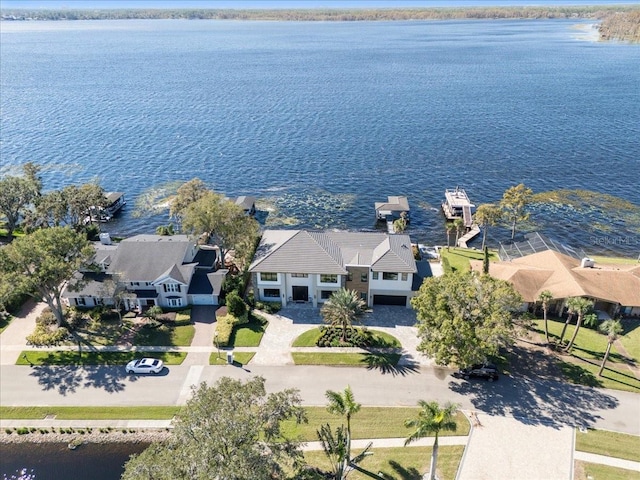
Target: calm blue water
(320,120)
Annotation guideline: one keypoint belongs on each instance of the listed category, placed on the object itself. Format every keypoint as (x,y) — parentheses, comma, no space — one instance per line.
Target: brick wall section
(356,282)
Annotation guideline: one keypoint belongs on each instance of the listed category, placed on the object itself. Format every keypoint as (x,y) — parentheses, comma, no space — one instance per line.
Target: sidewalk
(13,339)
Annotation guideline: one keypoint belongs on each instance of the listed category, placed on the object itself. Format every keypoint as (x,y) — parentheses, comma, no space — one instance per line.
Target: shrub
(44,336)
(22,431)
(355,337)
(236,305)
(269,307)
(46,318)
(8,431)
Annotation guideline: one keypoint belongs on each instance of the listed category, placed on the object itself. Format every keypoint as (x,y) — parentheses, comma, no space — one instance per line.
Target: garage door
(202,300)
(390,300)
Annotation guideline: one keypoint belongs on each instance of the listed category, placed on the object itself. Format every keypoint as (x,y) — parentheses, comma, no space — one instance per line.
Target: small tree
(612,329)
(154,312)
(514,203)
(236,305)
(581,306)
(342,309)
(544,298)
(458,224)
(187,194)
(487,215)
(432,418)
(485,261)
(345,405)
(449,227)
(571,304)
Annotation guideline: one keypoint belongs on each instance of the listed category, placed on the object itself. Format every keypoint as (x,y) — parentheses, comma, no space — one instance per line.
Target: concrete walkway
(13,339)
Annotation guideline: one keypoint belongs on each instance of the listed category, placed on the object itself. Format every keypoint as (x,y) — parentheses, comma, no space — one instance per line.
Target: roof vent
(587,263)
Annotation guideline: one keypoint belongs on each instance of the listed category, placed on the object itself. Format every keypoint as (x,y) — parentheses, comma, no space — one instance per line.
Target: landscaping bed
(356,337)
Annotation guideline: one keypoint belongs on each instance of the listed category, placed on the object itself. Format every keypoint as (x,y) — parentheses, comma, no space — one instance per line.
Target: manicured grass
(614,260)
(582,366)
(459,257)
(5,320)
(631,339)
(611,444)
(408,463)
(34,357)
(90,413)
(241,358)
(380,339)
(369,422)
(168,335)
(101,332)
(247,335)
(593,471)
(377,360)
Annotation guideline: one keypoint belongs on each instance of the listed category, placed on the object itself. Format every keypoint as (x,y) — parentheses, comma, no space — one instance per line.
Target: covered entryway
(390,300)
(300,293)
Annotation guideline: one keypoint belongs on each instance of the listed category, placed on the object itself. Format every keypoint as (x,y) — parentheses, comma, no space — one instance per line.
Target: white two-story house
(168,271)
(308,266)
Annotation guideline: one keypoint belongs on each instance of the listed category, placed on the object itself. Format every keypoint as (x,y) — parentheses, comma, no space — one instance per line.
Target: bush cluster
(45,336)
(235,304)
(269,307)
(355,337)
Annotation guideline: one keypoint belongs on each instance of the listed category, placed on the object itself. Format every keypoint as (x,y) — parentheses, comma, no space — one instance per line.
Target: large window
(325,278)
(389,276)
(268,276)
(299,275)
(326,294)
(272,293)
(175,302)
(171,287)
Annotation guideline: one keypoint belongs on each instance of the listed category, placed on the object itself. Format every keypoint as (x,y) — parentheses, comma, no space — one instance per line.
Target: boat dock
(472,233)
(457,205)
(394,208)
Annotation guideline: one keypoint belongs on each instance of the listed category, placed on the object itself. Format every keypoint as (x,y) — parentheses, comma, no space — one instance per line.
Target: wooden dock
(473,232)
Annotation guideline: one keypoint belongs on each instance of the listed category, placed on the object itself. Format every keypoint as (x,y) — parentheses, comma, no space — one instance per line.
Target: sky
(108,4)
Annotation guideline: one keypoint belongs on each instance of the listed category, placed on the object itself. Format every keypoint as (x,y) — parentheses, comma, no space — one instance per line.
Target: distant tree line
(364,14)
(621,26)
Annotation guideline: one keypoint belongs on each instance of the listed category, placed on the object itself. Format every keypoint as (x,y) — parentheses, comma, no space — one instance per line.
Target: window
(389,276)
(350,277)
(324,278)
(171,287)
(363,296)
(272,293)
(363,277)
(299,275)
(325,294)
(405,277)
(175,302)
(374,275)
(268,276)
(135,284)
(81,301)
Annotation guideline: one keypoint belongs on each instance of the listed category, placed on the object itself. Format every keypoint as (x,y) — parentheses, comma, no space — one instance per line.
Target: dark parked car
(486,370)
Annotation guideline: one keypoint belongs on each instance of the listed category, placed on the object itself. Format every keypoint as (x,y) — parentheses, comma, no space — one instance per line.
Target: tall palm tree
(345,405)
(611,328)
(582,306)
(432,418)
(449,226)
(544,298)
(458,224)
(570,311)
(342,309)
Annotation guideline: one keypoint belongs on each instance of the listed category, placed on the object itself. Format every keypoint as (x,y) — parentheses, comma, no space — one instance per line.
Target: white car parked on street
(145,365)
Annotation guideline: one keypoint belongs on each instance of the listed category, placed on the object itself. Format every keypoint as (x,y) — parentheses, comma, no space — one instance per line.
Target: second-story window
(171,287)
(326,278)
(268,276)
(389,276)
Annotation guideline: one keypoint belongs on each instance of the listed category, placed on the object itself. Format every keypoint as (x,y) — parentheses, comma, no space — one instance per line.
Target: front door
(300,294)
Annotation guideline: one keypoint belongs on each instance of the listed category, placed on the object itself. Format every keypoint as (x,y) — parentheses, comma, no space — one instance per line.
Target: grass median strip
(590,471)
(610,444)
(90,413)
(68,357)
(240,358)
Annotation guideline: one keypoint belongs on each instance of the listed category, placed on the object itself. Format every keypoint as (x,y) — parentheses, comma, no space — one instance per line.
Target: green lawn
(582,365)
(247,335)
(408,463)
(240,358)
(593,471)
(101,332)
(631,339)
(168,335)
(371,360)
(90,413)
(610,444)
(35,357)
(614,260)
(459,257)
(380,339)
(369,422)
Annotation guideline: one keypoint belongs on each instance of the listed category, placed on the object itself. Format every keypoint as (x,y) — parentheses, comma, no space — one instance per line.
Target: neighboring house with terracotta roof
(308,266)
(168,271)
(614,288)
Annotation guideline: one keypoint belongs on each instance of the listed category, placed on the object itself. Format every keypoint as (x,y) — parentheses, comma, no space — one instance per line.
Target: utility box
(230,358)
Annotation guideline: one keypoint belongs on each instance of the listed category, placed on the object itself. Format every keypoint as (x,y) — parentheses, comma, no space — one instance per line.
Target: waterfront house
(168,271)
(308,266)
(615,289)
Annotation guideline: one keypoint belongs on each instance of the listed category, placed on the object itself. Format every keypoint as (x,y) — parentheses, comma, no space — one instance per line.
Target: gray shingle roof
(146,257)
(299,251)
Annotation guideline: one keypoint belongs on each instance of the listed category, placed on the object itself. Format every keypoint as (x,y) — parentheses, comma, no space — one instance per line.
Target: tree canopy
(17,193)
(463,318)
(487,215)
(228,431)
(514,205)
(42,263)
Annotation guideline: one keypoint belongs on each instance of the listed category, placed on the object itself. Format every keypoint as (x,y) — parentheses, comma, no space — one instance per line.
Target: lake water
(320,120)
(54,461)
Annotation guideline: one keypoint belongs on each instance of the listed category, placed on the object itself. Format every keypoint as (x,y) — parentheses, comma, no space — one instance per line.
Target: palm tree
(342,309)
(582,306)
(432,419)
(345,405)
(611,328)
(458,224)
(544,298)
(570,311)
(335,448)
(449,226)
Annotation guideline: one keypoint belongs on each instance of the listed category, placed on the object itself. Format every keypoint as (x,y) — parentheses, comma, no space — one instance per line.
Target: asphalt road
(533,400)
